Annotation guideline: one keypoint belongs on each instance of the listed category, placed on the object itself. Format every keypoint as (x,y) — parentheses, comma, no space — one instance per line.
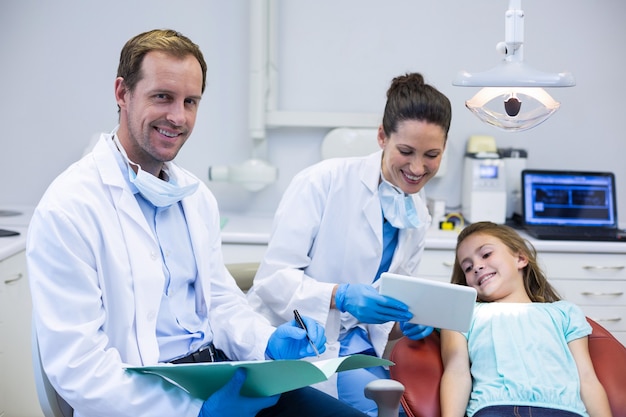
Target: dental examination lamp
(513,98)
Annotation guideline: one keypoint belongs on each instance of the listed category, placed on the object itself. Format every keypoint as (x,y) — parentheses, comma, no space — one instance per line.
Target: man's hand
(228,402)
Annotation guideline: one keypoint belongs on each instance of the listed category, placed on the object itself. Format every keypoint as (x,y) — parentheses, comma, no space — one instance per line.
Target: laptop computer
(570,205)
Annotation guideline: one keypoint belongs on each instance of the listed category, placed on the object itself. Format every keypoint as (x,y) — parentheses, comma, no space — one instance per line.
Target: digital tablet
(433,303)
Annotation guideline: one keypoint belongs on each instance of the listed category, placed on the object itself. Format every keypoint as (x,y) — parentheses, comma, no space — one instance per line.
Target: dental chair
(52,405)
(419,368)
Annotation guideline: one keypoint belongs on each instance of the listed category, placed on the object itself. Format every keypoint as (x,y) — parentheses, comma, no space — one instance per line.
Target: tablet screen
(433,303)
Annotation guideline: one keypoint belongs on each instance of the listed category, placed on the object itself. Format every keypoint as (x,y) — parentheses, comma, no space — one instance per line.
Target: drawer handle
(603,267)
(603,294)
(611,319)
(448,264)
(13,279)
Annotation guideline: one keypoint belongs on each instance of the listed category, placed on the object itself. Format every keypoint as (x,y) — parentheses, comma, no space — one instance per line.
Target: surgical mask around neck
(398,207)
(159,192)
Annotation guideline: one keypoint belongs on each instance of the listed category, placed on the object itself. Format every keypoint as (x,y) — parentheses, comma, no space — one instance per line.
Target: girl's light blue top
(519,355)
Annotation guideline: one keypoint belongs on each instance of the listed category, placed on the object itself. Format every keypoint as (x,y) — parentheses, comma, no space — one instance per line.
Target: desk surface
(255,230)
(250,229)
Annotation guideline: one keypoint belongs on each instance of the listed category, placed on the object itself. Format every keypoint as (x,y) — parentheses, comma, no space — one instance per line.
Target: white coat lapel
(370,175)
(140,250)
(200,244)
(411,241)
(113,177)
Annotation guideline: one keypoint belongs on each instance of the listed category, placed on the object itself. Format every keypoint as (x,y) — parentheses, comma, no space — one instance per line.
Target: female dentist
(344,221)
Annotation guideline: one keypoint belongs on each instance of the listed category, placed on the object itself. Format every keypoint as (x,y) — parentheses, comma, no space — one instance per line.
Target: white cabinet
(18,396)
(594,281)
(437,264)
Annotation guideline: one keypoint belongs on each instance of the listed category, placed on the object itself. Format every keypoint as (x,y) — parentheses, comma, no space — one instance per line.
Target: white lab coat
(96,280)
(328,230)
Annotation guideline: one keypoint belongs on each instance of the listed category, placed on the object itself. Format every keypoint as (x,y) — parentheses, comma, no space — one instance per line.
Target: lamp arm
(513,32)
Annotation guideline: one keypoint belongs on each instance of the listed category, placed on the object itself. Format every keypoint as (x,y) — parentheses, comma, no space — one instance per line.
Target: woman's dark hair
(409,98)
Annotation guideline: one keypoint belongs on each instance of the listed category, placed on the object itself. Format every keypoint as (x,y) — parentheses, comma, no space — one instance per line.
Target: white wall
(60,59)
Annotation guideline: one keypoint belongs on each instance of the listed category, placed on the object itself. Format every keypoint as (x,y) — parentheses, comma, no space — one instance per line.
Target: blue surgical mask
(159,192)
(398,207)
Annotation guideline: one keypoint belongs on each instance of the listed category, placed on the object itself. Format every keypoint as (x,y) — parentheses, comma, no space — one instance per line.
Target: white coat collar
(370,172)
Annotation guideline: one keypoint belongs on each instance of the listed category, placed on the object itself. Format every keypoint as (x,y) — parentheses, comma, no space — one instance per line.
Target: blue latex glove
(289,341)
(228,402)
(415,331)
(368,306)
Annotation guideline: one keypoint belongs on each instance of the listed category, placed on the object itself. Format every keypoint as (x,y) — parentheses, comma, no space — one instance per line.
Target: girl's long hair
(535,282)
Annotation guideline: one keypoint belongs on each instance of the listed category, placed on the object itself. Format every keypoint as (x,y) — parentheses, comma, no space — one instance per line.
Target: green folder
(264,378)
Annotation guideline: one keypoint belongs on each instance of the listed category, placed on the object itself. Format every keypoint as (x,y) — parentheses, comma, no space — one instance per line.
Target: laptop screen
(567,198)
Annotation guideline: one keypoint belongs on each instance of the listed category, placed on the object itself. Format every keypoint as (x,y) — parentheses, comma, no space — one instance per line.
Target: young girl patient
(526,352)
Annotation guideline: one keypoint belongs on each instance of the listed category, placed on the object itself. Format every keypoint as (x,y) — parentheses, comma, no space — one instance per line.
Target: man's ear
(120,91)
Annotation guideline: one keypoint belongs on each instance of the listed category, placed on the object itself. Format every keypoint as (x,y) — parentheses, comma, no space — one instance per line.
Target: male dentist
(126,268)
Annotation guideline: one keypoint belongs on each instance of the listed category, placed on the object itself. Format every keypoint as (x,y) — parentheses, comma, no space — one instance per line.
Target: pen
(300,322)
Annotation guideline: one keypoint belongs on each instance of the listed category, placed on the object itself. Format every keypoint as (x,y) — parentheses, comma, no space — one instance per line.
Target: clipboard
(263,378)
(433,303)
